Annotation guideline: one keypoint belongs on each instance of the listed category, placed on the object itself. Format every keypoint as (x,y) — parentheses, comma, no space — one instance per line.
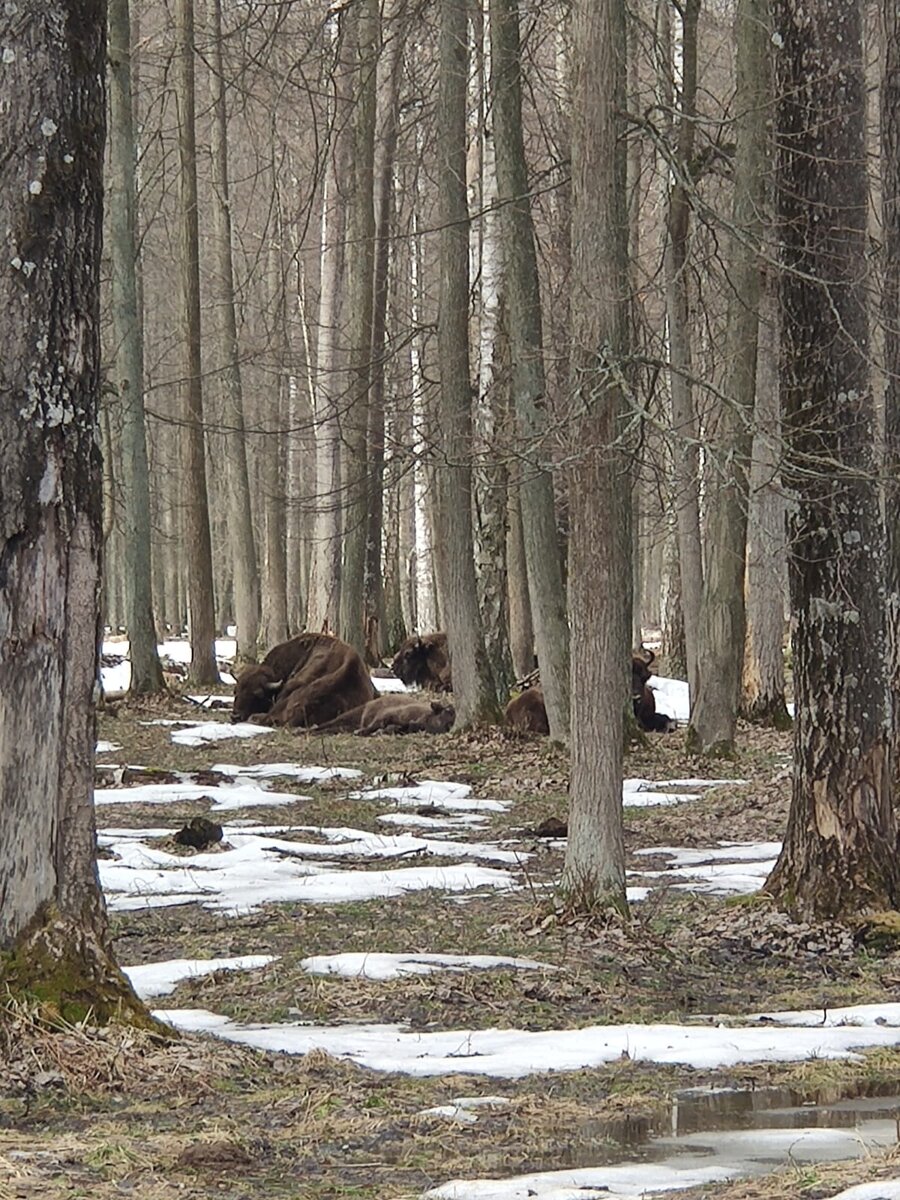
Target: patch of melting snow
(582,1183)
(288,770)
(853,1014)
(455,797)
(215,731)
(733,868)
(385,684)
(393,966)
(463,1110)
(106,747)
(240,879)
(419,820)
(225,798)
(673,696)
(515,1053)
(886,1189)
(161,978)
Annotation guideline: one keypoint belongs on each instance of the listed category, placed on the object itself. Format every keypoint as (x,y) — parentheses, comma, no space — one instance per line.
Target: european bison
(326,679)
(394,714)
(642,697)
(527,712)
(424,662)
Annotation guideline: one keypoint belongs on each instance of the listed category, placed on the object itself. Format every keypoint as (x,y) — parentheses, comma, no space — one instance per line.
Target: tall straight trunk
(197,541)
(763,676)
(599,484)
(275,616)
(325,569)
(387,129)
(423,487)
(720,648)
(890,194)
(541,540)
(521,629)
(473,685)
(686,456)
(360,282)
(53,934)
(840,850)
(241,542)
(146,674)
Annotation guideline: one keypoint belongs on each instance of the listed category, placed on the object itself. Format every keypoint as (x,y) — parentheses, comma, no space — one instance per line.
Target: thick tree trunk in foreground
(473,686)
(599,484)
(52,916)
(890,191)
(840,850)
(240,540)
(720,645)
(541,540)
(197,541)
(146,674)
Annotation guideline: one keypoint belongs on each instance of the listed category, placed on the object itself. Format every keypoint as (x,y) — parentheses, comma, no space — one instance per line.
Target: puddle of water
(748,1132)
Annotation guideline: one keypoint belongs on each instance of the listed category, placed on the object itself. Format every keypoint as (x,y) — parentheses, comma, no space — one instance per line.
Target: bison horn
(274,685)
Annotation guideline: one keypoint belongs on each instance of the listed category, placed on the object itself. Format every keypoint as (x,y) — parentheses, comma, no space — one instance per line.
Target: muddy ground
(106,1114)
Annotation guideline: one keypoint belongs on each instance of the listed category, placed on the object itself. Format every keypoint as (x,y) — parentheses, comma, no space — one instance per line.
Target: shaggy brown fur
(327,678)
(527,712)
(642,698)
(424,662)
(394,714)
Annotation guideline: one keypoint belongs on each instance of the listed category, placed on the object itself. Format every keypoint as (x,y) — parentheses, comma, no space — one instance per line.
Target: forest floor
(106,1114)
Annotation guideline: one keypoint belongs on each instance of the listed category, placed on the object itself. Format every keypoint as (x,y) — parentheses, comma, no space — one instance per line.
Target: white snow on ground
(161,978)
(886,1189)
(117,678)
(414,820)
(106,747)
(854,1014)
(389,684)
(394,966)
(735,868)
(515,1053)
(240,879)
(463,1110)
(356,842)
(672,697)
(288,770)
(645,793)
(215,731)
(225,798)
(714,1155)
(455,797)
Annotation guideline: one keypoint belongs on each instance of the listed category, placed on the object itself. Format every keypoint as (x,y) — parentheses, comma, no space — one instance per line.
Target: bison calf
(527,712)
(394,714)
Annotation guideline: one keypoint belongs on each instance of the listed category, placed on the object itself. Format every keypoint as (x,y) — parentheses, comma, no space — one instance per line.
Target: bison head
(254,692)
(640,671)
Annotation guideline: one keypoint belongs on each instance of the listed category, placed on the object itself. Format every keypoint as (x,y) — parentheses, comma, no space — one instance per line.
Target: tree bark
(473,686)
(197,540)
(686,458)
(541,540)
(720,646)
(840,850)
(890,199)
(272,473)
(240,539)
(599,483)
(521,630)
(52,916)
(146,674)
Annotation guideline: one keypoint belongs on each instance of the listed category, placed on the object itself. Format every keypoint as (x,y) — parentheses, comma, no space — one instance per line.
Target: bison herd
(315,681)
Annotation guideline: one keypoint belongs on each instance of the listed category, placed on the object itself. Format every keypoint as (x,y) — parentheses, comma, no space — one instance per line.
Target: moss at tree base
(63,966)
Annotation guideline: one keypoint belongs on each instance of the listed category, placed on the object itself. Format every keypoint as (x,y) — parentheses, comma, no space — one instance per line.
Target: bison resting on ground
(527,712)
(306,681)
(642,696)
(424,662)
(394,714)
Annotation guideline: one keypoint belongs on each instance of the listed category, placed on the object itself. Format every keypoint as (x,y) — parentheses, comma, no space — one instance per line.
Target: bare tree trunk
(890,192)
(360,277)
(325,569)
(146,675)
(473,686)
(763,677)
(275,617)
(840,851)
(542,551)
(53,934)
(240,538)
(686,458)
(521,630)
(720,648)
(599,487)
(197,539)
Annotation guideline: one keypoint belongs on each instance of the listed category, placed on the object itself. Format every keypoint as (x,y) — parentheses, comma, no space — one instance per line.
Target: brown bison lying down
(394,714)
(306,681)
(528,713)
(424,662)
